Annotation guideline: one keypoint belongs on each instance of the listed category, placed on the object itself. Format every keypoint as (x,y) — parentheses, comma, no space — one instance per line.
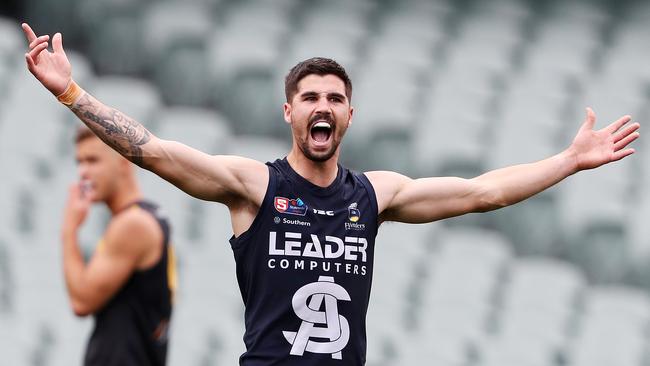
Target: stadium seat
(82,68)
(7,286)
(259,148)
(181,76)
(202,129)
(431,349)
(249,39)
(176,50)
(562,283)
(533,225)
(463,279)
(544,319)
(117,45)
(12,41)
(614,322)
(623,59)
(639,240)
(515,351)
(134,97)
(593,223)
(44,117)
(449,146)
(166,24)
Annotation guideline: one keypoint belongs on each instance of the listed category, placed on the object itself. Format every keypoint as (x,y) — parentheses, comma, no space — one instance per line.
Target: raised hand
(595,148)
(52,69)
(76,208)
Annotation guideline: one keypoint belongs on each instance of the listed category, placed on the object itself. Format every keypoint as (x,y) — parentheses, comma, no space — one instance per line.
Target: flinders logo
(353,216)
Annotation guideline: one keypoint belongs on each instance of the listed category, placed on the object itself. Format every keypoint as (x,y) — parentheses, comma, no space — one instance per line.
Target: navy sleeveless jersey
(304,269)
(131,329)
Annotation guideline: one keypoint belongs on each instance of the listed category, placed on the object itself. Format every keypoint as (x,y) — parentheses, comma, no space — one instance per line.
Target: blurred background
(441,87)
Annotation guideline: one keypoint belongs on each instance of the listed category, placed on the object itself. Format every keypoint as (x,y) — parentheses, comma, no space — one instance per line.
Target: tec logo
(324,212)
(293,206)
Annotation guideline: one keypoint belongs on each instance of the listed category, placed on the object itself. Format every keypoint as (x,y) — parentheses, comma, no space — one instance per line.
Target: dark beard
(318,158)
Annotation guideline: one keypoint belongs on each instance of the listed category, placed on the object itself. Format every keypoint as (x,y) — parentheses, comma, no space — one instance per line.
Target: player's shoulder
(386,178)
(132,228)
(387,184)
(242,163)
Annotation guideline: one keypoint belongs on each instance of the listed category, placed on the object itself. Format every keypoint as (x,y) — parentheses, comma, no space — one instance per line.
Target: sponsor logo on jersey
(307,303)
(308,252)
(354,214)
(287,221)
(294,206)
(323,212)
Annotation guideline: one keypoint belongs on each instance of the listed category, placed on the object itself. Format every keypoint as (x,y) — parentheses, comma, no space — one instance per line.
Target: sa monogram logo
(336,329)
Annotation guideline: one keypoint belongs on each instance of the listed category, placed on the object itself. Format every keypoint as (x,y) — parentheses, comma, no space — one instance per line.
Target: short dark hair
(319,66)
(82,133)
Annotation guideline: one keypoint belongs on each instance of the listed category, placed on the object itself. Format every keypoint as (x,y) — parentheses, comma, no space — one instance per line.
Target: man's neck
(321,174)
(126,195)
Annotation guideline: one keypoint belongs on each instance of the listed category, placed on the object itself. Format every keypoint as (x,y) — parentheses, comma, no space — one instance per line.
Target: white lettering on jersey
(350,248)
(324,212)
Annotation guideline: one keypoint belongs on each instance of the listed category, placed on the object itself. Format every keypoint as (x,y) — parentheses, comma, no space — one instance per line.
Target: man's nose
(83,170)
(323,105)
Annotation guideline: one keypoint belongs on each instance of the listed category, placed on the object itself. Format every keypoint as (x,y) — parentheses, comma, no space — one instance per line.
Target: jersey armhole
(372,196)
(164,229)
(237,242)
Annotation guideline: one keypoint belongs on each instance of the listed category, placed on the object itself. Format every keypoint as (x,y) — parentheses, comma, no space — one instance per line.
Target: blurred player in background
(128,284)
(305,226)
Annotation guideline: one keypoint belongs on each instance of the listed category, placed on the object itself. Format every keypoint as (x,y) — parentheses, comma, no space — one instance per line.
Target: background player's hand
(593,148)
(52,69)
(76,208)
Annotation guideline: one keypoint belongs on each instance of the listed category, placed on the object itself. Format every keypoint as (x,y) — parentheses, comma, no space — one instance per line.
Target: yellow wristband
(71,93)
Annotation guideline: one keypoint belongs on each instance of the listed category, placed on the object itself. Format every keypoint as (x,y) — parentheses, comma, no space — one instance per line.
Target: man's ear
(351,114)
(287,112)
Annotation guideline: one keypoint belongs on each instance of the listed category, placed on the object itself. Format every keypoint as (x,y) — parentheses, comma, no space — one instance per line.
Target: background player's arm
(129,241)
(428,199)
(217,178)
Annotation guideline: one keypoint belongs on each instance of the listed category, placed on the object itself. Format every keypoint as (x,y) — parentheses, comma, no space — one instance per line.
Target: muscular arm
(119,131)
(225,179)
(230,180)
(127,243)
(428,199)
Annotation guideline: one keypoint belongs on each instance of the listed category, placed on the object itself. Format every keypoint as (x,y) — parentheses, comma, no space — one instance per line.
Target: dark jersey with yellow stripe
(132,329)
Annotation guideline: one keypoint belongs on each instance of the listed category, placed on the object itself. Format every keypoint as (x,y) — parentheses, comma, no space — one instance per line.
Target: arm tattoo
(117,130)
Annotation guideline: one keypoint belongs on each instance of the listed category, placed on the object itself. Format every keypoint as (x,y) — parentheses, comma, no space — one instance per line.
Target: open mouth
(321,131)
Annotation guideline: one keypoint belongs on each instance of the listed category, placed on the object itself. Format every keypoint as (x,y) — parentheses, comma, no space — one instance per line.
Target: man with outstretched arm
(304,226)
